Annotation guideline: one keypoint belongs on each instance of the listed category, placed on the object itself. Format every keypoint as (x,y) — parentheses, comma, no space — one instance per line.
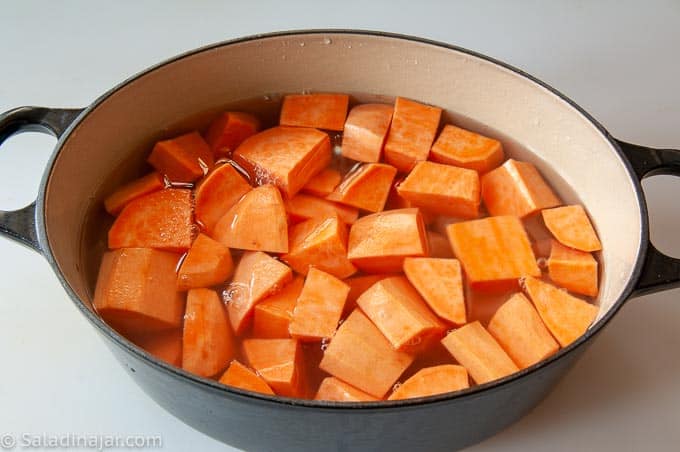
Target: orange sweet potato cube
(460,147)
(303,207)
(229,130)
(150,183)
(321,243)
(207,263)
(378,243)
(278,362)
(239,376)
(431,381)
(216,194)
(442,189)
(359,345)
(411,134)
(479,353)
(571,226)
(494,252)
(135,291)
(366,188)
(285,156)
(572,269)
(319,307)
(336,390)
(365,132)
(323,111)
(520,331)
(395,307)
(357,286)
(182,159)
(272,315)
(516,188)
(323,183)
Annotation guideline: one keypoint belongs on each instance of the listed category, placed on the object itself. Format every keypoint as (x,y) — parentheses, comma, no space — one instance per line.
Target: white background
(619,60)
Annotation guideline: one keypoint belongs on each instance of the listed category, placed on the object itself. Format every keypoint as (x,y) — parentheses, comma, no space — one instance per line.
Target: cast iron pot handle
(660,272)
(20,224)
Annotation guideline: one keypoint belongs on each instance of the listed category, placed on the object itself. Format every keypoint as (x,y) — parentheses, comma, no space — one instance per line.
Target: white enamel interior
(534,123)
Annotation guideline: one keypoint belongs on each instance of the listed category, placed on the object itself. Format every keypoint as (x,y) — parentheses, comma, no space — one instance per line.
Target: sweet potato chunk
(411,134)
(571,227)
(323,183)
(208,342)
(460,147)
(440,283)
(278,362)
(479,353)
(182,159)
(494,252)
(357,286)
(272,315)
(303,207)
(229,130)
(164,345)
(432,381)
(150,183)
(239,376)
(285,156)
(207,263)
(359,345)
(319,307)
(257,222)
(323,111)
(366,188)
(516,188)
(257,275)
(521,332)
(135,290)
(365,131)
(217,193)
(378,243)
(336,390)
(442,189)
(321,243)
(566,316)
(161,220)
(402,316)
(572,269)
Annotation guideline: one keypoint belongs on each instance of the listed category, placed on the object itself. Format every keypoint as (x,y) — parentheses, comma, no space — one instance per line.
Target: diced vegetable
(571,227)
(257,276)
(161,220)
(321,243)
(440,283)
(150,183)
(239,376)
(572,269)
(357,346)
(365,132)
(336,390)
(257,222)
(272,315)
(442,189)
(217,193)
(366,188)
(378,243)
(303,207)
(521,332)
(207,263)
(494,252)
(414,126)
(229,130)
(208,342)
(323,183)
(432,381)
(323,111)
(278,362)
(479,353)
(319,307)
(285,156)
(566,316)
(182,159)
(165,345)
(516,188)
(460,147)
(400,314)
(135,291)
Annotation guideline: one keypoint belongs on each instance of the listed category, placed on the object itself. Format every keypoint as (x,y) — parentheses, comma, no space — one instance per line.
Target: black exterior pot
(258,422)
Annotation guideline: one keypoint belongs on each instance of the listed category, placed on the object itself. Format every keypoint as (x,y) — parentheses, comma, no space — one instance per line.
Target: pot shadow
(631,367)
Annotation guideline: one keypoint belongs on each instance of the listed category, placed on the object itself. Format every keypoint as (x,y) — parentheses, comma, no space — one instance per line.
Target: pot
(100,145)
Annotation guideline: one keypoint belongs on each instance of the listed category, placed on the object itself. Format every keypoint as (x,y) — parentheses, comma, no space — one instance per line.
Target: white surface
(618,61)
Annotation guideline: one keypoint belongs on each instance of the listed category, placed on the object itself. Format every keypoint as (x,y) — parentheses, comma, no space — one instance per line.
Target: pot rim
(214,386)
